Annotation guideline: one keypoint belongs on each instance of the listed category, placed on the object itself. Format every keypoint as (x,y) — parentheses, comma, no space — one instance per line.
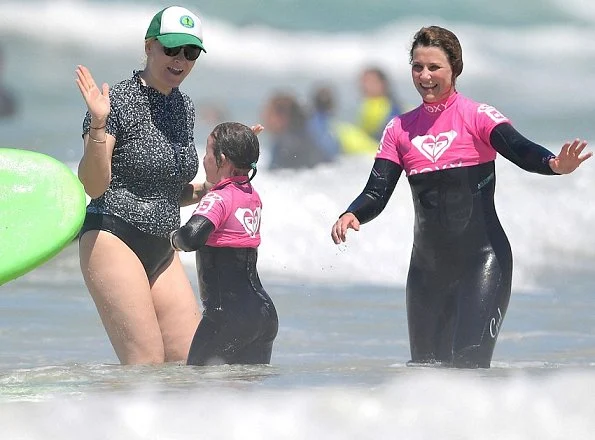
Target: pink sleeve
(212,206)
(486,119)
(389,143)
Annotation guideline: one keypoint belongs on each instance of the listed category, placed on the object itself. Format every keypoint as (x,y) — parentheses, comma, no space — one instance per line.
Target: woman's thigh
(120,289)
(177,309)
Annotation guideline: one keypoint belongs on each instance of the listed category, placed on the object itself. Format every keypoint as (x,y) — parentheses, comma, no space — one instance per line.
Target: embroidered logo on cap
(187,21)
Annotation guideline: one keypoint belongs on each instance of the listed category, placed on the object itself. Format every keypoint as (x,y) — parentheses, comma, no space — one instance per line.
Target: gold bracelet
(97,141)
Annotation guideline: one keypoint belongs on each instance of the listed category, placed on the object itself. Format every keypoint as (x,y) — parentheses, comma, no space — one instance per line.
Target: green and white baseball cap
(176,26)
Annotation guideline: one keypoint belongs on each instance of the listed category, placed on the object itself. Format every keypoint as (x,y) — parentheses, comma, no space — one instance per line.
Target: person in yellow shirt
(379,104)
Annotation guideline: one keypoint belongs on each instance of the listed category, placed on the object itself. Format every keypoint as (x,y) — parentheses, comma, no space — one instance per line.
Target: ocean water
(339,363)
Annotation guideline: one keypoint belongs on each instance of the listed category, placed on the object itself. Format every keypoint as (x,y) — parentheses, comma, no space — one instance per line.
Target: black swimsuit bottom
(153,252)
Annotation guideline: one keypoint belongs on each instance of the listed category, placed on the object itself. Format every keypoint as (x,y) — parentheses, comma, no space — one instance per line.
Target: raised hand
(257,129)
(97,100)
(570,157)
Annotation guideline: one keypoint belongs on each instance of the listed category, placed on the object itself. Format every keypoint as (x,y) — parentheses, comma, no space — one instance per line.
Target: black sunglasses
(191,53)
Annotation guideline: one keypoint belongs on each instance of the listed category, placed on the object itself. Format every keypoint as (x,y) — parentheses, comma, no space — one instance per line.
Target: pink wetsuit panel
(451,134)
(234,208)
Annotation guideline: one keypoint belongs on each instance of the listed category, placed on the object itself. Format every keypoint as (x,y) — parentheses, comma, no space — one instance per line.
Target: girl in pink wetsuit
(459,280)
(239,321)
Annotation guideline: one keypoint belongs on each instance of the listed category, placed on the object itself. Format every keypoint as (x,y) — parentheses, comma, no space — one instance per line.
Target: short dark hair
(436,36)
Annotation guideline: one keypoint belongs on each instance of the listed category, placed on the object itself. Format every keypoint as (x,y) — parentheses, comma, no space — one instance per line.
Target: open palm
(570,157)
(97,100)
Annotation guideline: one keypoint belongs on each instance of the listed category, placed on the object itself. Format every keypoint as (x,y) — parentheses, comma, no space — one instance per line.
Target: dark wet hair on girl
(436,36)
(239,144)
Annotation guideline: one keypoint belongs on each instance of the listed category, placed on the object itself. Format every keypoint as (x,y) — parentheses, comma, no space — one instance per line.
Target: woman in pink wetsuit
(460,274)
(239,321)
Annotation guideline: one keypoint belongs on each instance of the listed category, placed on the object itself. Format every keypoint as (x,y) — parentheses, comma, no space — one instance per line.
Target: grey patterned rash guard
(154,156)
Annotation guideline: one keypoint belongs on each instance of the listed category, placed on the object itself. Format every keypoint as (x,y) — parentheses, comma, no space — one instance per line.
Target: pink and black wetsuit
(459,280)
(239,321)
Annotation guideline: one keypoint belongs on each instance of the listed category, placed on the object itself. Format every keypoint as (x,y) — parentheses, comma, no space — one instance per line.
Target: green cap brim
(175,40)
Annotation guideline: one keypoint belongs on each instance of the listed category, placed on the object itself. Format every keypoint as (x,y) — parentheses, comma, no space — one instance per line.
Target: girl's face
(166,72)
(432,74)
(215,173)
(210,163)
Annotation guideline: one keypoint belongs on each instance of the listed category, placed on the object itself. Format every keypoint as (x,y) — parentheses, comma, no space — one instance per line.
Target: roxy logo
(495,324)
(435,108)
(492,113)
(249,219)
(447,166)
(433,147)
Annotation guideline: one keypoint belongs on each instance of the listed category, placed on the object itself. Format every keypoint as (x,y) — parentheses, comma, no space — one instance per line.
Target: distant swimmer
(239,322)
(379,104)
(292,146)
(460,274)
(8,102)
(8,105)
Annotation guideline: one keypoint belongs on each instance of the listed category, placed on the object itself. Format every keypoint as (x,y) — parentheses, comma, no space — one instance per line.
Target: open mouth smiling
(175,71)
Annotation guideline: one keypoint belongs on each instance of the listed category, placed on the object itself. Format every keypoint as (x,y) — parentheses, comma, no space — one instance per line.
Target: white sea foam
(433,404)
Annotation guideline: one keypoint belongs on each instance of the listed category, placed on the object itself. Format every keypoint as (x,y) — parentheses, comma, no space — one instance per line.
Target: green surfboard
(42,208)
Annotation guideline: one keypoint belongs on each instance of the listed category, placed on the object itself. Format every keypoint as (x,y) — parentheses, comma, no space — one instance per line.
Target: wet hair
(239,144)
(435,36)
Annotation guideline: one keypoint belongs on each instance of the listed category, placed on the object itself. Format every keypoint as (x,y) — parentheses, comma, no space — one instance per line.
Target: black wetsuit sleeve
(381,184)
(520,150)
(193,234)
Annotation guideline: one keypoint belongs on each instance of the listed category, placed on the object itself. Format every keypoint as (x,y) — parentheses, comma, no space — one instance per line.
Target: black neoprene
(521,151)
(193,234)
(378,190)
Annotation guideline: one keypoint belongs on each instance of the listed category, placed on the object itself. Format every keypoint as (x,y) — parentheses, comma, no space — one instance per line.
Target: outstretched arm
(372,201)
(193,234)
(193,192)
(533,157)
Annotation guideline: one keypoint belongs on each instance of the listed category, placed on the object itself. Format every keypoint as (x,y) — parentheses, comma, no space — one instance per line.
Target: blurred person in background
(321,123)
(8,104)
(379,103)
(292,144)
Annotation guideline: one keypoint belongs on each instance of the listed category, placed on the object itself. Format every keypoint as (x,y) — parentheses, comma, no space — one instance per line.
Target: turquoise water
(338,369)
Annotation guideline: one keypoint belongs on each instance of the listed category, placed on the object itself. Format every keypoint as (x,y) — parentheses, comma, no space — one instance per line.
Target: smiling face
(432,73)
(163,72)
